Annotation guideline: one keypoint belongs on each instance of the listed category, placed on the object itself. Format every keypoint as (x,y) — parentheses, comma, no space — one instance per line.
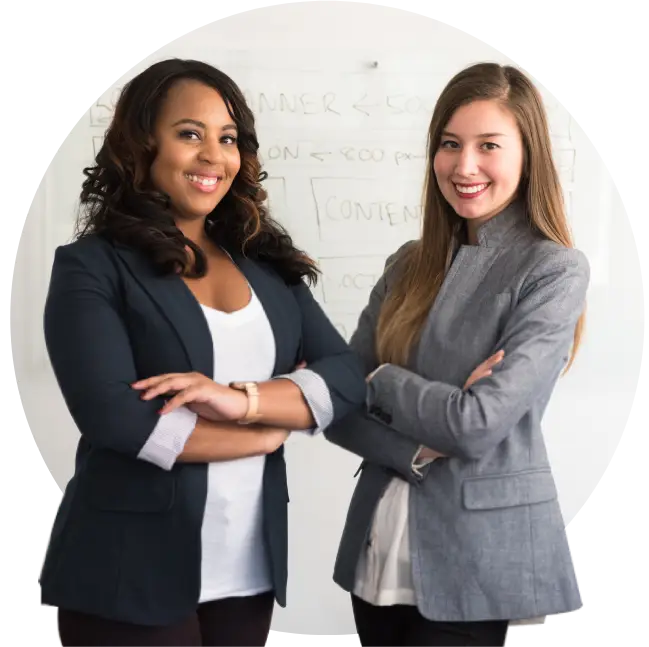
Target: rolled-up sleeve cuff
(317,395)
(168,438)
(418,464)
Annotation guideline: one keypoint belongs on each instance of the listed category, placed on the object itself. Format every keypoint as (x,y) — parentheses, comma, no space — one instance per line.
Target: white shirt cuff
(316,393)
(418,463)
(168,438)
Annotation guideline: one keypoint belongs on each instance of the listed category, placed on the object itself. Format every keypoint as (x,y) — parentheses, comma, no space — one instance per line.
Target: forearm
(211,442)
(378,444)
(282,404)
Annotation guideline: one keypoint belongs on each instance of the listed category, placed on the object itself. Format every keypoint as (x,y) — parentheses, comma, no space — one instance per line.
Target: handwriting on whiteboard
(336,103)
(322,153)
(348,281)
(301,103)
(364,210)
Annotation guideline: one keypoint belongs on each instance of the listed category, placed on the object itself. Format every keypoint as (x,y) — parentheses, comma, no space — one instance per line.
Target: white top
(233,555)
(233,560)
(384,573)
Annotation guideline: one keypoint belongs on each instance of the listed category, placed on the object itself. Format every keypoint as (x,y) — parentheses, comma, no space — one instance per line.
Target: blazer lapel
(178,305)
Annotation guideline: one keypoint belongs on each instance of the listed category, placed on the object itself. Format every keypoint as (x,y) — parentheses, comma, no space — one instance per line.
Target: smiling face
(479,162)
(197,157)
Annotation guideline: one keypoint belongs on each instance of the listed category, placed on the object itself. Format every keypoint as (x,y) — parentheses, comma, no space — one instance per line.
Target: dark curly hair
(119,202)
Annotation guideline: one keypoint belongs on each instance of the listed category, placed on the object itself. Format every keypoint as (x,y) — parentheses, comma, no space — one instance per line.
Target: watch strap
(252,391)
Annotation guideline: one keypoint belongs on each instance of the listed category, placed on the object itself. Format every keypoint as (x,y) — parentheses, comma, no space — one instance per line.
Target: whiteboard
(342,116)
(344,143)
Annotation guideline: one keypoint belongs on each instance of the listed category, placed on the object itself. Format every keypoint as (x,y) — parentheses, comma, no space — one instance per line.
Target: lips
(205,180)
(471,191)
(204,183)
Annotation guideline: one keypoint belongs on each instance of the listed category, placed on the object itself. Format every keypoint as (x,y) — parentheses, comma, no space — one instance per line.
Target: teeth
(471,189)
(205,181)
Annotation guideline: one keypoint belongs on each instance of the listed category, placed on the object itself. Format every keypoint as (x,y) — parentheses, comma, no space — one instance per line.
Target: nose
(466,162)
(211,152)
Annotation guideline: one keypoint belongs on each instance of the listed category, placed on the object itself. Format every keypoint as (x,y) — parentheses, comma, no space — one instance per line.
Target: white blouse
(233,555)
(234,561)
(383,574)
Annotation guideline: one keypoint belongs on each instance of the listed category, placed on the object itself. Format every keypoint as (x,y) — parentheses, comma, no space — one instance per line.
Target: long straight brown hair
(422,267)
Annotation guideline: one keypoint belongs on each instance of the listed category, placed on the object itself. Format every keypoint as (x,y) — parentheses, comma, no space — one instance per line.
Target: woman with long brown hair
(175,325)
(454,529)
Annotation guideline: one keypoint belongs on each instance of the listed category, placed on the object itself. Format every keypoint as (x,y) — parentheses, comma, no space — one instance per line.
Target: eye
(189,134)
(449,143)
(229,139)
(490,146)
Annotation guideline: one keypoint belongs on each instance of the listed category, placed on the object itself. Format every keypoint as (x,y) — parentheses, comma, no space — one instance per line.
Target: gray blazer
(487,538)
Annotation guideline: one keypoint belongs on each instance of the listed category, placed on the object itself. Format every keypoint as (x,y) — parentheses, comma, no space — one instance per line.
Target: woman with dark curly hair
(176,324)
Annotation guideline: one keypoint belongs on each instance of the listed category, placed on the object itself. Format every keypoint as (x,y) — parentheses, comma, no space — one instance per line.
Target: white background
(384,109)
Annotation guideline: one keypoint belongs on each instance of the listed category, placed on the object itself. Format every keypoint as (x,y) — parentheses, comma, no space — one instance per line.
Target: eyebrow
(446,133)
(200,124)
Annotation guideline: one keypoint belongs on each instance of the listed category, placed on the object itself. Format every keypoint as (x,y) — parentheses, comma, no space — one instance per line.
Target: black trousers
(402,624)
(231,621)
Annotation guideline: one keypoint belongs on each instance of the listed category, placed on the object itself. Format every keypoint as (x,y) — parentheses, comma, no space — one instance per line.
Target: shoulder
(547,256)
(556,271)
(91,258)
(395,260)
(402,253)
(91,249)
(534,256)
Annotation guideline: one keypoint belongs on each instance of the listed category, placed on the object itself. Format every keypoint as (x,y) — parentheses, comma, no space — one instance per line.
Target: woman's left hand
(200,394)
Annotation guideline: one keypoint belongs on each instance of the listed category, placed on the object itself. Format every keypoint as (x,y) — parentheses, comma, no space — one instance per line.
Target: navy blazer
(126,541)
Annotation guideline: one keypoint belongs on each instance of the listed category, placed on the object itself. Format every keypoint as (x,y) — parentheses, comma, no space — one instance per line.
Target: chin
(469,211)
(193,213)
(200,209)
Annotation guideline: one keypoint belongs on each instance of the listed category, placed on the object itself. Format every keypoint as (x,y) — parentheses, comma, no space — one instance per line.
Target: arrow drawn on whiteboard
(318,156)
(359,106)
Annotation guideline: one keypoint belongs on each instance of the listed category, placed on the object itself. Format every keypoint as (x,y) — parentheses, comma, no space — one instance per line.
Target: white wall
(306,62)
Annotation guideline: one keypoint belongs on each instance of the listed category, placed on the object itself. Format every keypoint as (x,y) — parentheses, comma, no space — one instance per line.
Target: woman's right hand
(484,369)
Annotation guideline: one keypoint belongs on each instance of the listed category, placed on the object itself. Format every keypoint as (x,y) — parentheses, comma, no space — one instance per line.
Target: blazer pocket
(116,483)
(508,490)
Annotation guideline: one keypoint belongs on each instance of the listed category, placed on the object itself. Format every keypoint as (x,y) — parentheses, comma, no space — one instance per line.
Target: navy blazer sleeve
(329,356)
(367,437)
(90,352)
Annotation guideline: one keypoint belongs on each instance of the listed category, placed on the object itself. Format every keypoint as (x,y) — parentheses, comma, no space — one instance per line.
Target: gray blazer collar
(504,226)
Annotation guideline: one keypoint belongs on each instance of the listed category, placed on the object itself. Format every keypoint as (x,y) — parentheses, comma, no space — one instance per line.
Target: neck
(473,226)
(193,229)
(472,231)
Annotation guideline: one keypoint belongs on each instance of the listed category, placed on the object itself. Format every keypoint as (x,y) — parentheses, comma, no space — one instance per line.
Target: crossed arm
(468,422)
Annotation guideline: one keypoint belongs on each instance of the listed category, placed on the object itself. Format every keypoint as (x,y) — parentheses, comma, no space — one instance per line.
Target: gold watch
(252,391)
